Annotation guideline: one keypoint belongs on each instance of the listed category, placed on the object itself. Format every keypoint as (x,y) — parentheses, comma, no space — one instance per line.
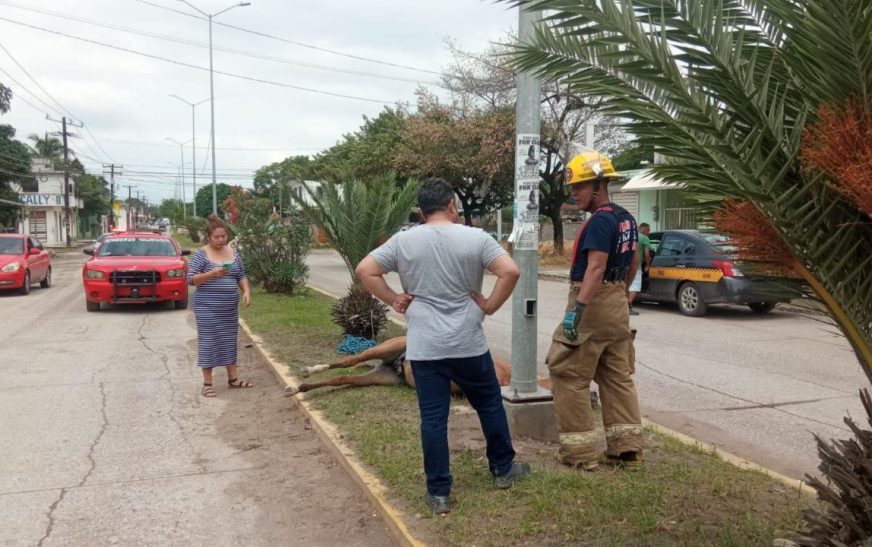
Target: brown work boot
(629,461)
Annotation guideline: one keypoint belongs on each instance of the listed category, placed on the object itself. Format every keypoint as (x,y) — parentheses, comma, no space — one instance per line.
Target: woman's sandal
(236,383)
(208,391)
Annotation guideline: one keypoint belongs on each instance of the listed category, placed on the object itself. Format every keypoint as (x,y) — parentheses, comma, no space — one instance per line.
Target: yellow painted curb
(371,485)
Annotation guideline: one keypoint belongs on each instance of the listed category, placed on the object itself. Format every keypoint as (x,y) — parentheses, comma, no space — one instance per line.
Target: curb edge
(369,484)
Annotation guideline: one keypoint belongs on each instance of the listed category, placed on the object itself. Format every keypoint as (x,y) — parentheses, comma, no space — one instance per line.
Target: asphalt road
(107,440)
(757,386)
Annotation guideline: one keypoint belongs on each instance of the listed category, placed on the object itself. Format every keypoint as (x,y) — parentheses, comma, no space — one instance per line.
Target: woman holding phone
(218,273)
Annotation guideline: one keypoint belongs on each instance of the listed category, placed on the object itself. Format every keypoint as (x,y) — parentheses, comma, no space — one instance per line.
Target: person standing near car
(644,264)
(219,275)
(441,266)
(594,341)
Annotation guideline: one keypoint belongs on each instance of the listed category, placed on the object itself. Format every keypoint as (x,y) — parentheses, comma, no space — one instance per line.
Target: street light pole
(211,16)
(193,149)
(182,175)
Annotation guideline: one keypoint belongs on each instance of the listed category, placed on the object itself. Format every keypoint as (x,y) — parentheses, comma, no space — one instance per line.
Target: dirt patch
(303,496)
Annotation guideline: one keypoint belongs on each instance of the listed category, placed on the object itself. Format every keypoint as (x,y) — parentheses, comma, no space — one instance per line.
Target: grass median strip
(682,496)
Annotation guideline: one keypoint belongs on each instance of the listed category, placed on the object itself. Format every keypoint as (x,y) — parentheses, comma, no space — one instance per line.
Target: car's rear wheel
(46,283)
(92,306)
(181,304)
(761,307)
(25,289)
(690,300)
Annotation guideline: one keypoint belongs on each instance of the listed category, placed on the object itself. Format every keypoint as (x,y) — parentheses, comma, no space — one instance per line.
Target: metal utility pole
(182,175)
(193,149)
(525,231)
(211,16)
(112,171)
(67,213)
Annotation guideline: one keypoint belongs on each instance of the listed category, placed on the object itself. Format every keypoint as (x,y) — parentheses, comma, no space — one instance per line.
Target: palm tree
(357,216)
(50,148)
(765,106)
(730,92)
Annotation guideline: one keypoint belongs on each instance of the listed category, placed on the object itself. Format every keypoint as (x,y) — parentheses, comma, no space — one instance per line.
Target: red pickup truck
(134,268)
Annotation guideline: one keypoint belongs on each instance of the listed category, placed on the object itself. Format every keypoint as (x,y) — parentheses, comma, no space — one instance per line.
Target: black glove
(571,321)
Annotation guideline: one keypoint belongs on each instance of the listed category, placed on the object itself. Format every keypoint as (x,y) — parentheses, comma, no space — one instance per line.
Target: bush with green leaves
(274,248)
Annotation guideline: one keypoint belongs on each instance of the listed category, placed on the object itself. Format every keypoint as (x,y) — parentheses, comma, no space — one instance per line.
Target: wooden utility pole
(112,171)
(64,134)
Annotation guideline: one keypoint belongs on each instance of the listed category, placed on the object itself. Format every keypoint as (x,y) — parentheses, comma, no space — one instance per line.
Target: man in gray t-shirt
(441,266)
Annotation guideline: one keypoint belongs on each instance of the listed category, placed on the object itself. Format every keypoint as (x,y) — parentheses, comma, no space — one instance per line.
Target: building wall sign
(42,200)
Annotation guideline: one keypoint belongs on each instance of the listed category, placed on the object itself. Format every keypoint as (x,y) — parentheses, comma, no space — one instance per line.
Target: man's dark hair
(644,225)
(434,195)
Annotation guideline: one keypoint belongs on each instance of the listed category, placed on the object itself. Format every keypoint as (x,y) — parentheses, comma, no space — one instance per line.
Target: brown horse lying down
(392,369)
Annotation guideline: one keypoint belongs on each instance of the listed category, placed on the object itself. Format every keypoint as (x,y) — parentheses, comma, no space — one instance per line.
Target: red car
(23,261)
(134,268)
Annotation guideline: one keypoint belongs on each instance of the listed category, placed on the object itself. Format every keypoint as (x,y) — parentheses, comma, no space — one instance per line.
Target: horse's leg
(381,375)
(384,351)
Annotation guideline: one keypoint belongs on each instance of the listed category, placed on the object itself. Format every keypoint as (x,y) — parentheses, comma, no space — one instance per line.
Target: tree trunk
(557,225)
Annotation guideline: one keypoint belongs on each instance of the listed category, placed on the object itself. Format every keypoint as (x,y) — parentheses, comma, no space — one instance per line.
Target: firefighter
(594,341)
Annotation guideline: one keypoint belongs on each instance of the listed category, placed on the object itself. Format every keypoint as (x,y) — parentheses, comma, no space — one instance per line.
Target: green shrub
(274,249)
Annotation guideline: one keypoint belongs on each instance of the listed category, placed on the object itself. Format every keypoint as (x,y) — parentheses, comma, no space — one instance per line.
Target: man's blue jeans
(477,379)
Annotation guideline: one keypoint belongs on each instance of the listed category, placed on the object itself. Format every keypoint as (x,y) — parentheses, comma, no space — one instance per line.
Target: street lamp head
(245,3)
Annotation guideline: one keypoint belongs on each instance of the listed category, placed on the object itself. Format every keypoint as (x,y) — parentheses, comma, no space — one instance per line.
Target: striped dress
(216,308)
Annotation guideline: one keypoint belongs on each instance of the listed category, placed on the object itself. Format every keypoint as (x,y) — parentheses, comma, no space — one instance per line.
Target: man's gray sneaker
(439,504)
(518,471)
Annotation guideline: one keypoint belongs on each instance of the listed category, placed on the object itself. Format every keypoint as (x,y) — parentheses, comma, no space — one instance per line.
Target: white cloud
(124,98)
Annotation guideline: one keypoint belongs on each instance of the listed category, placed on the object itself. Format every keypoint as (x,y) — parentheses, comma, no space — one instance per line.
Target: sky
(123,98)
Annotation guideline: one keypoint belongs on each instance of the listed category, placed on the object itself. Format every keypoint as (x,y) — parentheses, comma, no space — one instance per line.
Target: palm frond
(726,89)
(358,216)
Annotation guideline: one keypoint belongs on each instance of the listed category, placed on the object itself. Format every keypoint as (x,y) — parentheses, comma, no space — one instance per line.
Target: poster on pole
(526,209)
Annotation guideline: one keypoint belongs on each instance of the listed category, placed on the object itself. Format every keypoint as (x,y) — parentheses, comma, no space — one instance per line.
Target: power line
(32,94)
(70,17)
(293,42)
(160,144)
(196,67)
(50,96)
(32,79)
(17,174)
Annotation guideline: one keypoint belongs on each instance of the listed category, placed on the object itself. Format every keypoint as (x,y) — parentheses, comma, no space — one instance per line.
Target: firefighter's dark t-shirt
(610,229)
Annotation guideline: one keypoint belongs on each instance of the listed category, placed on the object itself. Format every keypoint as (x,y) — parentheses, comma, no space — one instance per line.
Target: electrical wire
(50,96)
(32,94)
(207,147)
(251,54)
(196,67)
(19,175)
(292,42)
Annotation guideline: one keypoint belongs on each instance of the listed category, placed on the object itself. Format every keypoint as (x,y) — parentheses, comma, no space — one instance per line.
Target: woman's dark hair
(213,223)
(434,195)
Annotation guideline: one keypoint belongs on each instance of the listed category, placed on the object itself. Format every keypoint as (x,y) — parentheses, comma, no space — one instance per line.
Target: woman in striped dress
(218,274)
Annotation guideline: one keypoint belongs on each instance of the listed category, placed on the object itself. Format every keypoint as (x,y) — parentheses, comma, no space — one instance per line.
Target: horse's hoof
(290,391)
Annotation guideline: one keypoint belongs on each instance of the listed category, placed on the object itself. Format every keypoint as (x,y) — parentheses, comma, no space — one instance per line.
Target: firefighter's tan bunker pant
(603,352)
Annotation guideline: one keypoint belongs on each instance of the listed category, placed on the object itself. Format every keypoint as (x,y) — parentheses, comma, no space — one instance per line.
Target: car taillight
(728,269)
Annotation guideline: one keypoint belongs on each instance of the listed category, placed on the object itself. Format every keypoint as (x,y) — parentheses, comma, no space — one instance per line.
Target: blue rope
(352,345)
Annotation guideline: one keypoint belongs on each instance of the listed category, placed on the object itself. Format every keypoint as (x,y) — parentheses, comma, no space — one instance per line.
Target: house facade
(651,200)
(44,206)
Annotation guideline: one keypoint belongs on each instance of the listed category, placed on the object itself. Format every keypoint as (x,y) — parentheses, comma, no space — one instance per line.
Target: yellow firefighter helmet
(589,166)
